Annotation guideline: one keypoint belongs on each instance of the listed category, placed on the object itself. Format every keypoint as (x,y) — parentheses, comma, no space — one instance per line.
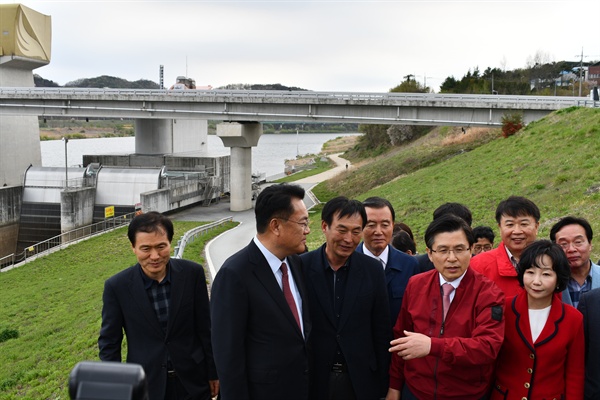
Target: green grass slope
(555,162)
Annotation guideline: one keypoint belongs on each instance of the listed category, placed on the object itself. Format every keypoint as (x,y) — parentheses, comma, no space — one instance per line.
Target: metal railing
(192,234)
(244,95)
(63,240)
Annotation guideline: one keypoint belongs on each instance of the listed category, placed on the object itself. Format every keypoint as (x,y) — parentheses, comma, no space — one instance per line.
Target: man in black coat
(162,306)
(349,309)
(260,318)
(589,304)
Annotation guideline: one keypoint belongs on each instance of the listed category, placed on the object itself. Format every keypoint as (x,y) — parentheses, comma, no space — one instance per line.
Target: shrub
(511,123)
(7,334)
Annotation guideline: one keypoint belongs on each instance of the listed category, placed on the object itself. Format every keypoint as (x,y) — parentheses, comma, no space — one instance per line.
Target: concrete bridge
(279,106)
(164,120)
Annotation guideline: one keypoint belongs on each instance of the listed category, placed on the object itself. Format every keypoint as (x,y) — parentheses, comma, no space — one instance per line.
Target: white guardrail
(192,234)
(61,241)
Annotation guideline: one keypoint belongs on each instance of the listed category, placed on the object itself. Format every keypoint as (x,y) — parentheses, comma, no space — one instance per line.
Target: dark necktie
(447,288)
(287,293)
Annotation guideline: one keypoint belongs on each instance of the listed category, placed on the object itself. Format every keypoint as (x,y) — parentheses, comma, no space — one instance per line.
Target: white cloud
(319,45)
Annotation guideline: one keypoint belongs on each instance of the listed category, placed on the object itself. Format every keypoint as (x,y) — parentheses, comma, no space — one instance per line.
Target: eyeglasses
(484,247)
(458,251)
(579,243)
(303,224)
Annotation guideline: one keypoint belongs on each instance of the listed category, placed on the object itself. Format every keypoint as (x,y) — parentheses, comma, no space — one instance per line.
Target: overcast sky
(358,46)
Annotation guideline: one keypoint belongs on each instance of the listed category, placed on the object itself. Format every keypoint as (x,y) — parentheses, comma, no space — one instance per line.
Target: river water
(268,157)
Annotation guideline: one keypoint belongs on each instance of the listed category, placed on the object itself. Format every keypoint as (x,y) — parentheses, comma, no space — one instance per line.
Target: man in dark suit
(349,309)
(589,304)
(258,305)
(162,306)
(398,266)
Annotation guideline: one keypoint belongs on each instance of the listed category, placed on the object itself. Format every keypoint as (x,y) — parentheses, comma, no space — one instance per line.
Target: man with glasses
(349,309)
(260,317)
(574,235)
(484,239)
(451,324)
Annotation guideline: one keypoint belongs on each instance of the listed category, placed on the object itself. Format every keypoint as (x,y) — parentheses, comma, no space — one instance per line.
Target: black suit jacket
(589,304)
(364,331)
(187,340)
(400,267)
(425,263)
(259,349)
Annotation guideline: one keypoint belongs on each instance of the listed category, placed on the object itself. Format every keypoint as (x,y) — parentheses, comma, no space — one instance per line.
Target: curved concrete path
(228,243)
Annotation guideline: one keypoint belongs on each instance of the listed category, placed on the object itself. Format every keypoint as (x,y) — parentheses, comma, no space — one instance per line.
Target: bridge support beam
(240,137)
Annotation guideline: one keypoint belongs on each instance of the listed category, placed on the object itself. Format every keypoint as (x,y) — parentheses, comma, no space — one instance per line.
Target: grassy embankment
(53,306)
(555,162)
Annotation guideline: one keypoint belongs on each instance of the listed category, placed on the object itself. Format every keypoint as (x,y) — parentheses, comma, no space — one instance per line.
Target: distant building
(594,73)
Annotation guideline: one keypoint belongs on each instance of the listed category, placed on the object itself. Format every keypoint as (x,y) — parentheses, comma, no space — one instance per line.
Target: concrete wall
(76,208)
(153,136)
(156,200)
(19,135)
(10,210)
(190,135)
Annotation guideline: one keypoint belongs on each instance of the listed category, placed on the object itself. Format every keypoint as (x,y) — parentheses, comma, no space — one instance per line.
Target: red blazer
(550,368)
(496,265)
(463,350)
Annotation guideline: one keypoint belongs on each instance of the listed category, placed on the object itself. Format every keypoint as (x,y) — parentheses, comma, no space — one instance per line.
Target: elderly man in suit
(349,309)
(575,235)
(260,317)
(398,266)
(162,306)
(589,304)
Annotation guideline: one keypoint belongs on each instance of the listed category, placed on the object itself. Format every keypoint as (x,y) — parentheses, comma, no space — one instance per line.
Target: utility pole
(580,72)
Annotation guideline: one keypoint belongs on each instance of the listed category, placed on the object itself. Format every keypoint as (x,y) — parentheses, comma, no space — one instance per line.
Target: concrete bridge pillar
(153,136)
(241,137)
(24,46)
(170,136)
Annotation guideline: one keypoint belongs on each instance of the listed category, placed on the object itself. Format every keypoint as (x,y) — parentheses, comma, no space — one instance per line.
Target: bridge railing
(63,240)
(207,95)
(192,234)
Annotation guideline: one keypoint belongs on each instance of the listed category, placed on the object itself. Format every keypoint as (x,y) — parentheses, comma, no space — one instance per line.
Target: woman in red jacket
(543,353)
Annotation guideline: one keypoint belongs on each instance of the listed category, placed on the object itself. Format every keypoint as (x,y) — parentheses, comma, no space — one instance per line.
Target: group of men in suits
(285,323)
(340,348)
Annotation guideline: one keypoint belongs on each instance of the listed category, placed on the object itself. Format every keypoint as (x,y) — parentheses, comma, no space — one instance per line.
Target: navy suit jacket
(187,340)
(259,349)
(399,268)
(589,304)
(363,332)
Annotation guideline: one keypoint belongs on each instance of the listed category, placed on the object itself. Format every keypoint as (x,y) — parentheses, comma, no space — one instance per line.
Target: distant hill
(112,82)
(38,81)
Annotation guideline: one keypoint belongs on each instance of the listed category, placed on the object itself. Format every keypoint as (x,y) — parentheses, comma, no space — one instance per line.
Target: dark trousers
(340,387)
(176,391)
(408,395)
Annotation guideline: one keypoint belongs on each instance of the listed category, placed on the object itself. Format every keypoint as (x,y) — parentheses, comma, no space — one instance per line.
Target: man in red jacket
(451,324)
(518,219)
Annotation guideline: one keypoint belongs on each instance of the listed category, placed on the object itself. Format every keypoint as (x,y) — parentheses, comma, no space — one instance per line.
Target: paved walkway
(228,243)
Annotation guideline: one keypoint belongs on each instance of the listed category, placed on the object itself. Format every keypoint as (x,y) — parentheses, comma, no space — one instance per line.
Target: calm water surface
(268,157)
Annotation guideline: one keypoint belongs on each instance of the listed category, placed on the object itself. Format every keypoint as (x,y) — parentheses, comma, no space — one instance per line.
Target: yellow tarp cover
(24,32)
